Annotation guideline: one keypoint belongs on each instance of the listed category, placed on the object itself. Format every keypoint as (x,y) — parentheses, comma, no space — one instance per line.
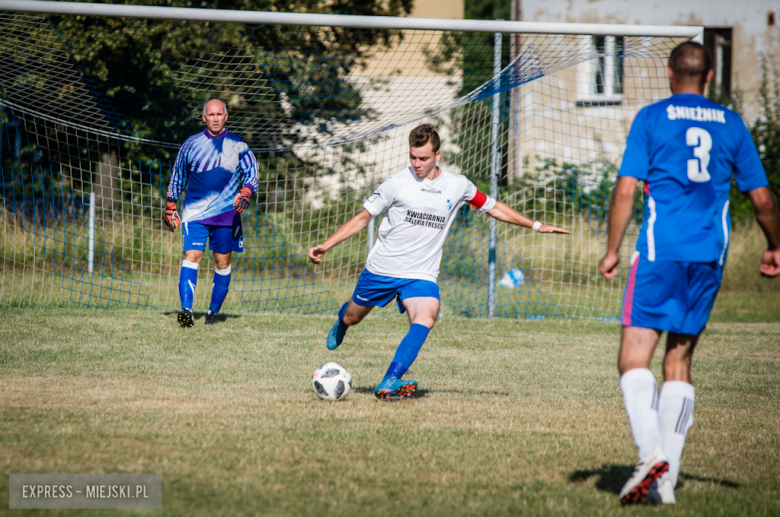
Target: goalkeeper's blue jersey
(686,149)
(214,169)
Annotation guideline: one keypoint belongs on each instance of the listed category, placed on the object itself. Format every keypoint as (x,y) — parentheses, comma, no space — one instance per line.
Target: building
(737,33)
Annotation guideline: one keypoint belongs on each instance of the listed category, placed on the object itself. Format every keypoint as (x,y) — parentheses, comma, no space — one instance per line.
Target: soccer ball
(332,381)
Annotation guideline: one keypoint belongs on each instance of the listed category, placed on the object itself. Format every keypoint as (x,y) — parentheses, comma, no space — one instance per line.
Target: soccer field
(512,417)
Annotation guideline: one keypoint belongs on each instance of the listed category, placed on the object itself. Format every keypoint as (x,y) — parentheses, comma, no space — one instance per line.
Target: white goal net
(94,108)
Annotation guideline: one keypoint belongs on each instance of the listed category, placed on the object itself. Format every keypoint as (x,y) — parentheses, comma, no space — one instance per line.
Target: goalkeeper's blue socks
(220,289)
(407,351)
(188,279)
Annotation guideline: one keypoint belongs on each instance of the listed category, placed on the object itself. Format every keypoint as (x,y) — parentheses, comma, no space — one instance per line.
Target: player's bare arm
(619,216)
(766,215)
(507,214)
(345,231)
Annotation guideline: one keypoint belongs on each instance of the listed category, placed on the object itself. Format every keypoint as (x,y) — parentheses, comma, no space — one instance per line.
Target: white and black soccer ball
(332,381)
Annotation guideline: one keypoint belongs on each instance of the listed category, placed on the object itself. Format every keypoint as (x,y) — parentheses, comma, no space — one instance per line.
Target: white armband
(536,226)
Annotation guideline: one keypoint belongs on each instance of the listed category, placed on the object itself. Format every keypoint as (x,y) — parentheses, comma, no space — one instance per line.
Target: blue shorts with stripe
(221,239)
(670,295)
(379,290)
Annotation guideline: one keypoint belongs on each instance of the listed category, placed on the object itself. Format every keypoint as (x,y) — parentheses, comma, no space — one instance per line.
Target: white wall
(748,18)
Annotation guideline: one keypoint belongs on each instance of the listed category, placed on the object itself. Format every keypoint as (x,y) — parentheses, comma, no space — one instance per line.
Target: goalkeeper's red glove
(171,217)
(241,201)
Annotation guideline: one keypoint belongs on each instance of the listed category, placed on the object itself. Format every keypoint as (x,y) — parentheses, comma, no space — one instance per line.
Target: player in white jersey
(421,202)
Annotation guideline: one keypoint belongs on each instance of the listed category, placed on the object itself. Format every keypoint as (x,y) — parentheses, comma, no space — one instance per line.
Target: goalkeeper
(222,174)
(421,202)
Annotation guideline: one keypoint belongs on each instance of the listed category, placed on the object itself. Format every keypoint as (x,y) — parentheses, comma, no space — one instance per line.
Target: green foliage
(148,79)
(570,189)
(765,130)
(471,53)
(144,68)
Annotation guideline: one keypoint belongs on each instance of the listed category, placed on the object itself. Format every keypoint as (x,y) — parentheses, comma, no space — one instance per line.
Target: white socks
(640,397)
(190,265)
(658,420)
(676,417)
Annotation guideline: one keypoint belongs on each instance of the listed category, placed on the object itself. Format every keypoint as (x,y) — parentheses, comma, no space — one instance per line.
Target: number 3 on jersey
(697,168)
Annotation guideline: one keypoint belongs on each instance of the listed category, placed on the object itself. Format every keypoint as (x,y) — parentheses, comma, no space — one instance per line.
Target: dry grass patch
(512,417)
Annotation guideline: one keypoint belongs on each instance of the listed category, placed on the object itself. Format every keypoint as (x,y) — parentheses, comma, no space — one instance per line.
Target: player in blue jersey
(220,174)
(685,150)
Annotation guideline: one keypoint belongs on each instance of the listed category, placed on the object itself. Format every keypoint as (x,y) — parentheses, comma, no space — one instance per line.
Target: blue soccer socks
(407,351)
(392,386)
(342,312)
(188,279)
(220,289)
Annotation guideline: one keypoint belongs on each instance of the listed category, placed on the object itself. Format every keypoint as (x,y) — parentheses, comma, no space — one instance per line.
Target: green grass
(512,417)
(746,307)
(38,271)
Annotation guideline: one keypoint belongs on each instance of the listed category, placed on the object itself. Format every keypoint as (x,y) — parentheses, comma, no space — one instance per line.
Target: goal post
(95,100)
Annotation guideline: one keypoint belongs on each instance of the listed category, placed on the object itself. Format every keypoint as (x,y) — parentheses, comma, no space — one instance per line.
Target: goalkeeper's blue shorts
(221,239)
(379,290)
(670,295)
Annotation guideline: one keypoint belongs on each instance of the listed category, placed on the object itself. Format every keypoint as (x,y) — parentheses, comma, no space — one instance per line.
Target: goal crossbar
(349,21)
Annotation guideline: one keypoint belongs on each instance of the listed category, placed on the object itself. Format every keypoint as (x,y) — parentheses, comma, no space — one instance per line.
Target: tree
(148,79)
(275,76)
(765,130)
(471,53)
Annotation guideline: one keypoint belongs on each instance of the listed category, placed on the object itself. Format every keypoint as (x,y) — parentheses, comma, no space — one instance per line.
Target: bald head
(215,103)
(690,68)
(214,116)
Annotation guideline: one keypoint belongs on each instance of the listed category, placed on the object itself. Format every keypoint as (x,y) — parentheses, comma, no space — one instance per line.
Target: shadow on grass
(202,315)
(721,482)
(611,478)
(424,393)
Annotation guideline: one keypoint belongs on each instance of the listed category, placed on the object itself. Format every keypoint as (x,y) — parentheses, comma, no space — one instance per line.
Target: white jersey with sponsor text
(419,215)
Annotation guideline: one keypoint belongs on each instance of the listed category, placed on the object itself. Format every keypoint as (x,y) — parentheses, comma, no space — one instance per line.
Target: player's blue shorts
(379,290)
(221,239)
(669,295)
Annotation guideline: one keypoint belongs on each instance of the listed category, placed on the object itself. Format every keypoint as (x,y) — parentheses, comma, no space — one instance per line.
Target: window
(718,40)
(601,81)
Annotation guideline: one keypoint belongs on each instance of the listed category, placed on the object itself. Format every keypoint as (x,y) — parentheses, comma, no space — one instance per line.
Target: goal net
(94,108)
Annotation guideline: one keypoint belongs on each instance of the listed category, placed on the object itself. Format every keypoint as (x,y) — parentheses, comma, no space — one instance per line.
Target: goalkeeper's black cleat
(211,318)
(185,318)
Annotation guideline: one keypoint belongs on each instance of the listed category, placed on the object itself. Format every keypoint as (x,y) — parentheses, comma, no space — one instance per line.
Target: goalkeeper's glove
(241,201)
(171,217)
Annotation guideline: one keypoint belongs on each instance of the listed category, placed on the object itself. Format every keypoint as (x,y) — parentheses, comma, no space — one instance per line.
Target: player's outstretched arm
(620,210)
(345,231)
(766,215)
(507,214)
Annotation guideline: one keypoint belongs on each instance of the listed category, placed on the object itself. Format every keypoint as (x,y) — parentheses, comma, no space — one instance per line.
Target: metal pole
(495,168)
(91,245)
